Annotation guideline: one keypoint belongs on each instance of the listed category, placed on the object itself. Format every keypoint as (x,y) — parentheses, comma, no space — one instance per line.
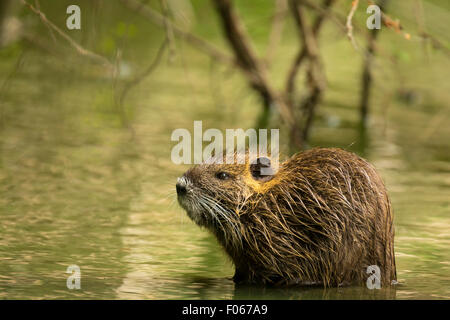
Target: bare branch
(248,61)
(367,74)
(398,27)
(293,71)
(5,84)
(81,50)
(315,74)
(277,28)
(325,11)
(437,44)
(119,97)
(169,30)
(50,30)
(239,41)
(349,23)
(136,80)
(190,38)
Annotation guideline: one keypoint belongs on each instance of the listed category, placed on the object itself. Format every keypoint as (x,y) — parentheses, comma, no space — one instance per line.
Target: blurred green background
(85,180)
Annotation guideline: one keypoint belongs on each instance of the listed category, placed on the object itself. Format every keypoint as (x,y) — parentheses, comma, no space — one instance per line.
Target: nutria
(321,219)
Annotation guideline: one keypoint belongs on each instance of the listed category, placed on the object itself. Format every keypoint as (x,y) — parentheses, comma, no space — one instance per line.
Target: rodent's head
(215,193)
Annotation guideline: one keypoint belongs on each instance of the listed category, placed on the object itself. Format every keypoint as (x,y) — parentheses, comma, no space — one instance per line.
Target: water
(77,187)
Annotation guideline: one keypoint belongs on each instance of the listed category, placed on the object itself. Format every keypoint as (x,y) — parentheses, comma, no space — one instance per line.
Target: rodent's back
(332,215)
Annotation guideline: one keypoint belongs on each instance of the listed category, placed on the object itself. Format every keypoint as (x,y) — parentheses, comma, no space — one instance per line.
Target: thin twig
(367,72)
(437,44)
(325,11)
(349,25)
(398,27)
(391,23)
(82,51)
(293,71)
(315,74)
(249,63)
(277,29)
(136,80)
(240,43)
(5,84)
(169,30)
(190,38)
(50,30)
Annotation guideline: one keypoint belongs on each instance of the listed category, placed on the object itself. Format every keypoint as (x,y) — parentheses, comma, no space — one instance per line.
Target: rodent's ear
(261,169)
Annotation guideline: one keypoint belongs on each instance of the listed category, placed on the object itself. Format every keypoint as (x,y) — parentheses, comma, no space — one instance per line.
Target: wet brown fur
(322,218)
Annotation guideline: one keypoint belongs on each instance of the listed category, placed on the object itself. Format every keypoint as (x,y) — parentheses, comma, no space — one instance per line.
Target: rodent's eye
(222,175)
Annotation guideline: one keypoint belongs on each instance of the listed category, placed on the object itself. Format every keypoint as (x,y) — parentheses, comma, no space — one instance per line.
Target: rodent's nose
(181,189)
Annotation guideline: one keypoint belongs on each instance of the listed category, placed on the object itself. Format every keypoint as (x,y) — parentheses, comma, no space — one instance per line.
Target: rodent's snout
(181,190)
(181,186)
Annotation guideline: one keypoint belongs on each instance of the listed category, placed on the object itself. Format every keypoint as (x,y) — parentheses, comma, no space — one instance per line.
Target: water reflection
(77,188)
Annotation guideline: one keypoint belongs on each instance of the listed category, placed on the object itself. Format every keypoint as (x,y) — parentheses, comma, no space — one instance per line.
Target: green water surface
(78,187)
